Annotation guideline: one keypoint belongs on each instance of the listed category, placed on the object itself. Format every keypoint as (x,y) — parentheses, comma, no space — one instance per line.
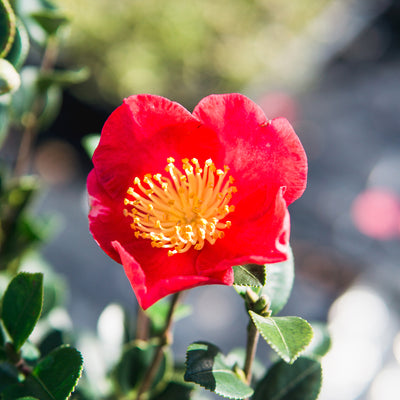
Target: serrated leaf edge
(213,391)
(64,346)
(260,285)
(283,356)
(41,306)
(305,373)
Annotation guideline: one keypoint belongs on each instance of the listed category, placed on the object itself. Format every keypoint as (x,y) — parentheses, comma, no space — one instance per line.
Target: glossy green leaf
(90,142)
(27,398)
(299,381)
(159,311)
(59,371)
(22,304)
(50,20)
(288,336)
(206,366)
(249,275)
(7,27)
(20,48)
(30,388)
(134,363)
(279,283)
(321,342)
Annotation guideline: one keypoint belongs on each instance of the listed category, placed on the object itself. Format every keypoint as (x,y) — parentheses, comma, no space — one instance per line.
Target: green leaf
(22,304)
(50,20)
(288,336)
(159,311)
(206,366)
(30,387)
(53,339)
(133,365)
(62,78)
(249,275)
(7,27)
(299,381)
(279,284)
(20,48)
(321,342)
(90,142)
(27,398)
(52,99)
(59,371)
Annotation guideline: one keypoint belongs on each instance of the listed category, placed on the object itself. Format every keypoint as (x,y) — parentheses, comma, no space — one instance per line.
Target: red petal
(158,278)
(141,134)
(152,273)
(106,220)
(260,241)
(258,151)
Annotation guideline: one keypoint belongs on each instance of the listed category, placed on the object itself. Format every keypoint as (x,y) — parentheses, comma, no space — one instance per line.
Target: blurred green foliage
(181,49)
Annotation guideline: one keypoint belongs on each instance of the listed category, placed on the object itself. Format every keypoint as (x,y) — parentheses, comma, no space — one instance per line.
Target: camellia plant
(186,199)
(179,199)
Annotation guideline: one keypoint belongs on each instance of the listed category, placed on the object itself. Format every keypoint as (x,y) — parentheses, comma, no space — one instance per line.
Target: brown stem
(16,359)
(30,119)
(251,347)
(165,340)
(142,325)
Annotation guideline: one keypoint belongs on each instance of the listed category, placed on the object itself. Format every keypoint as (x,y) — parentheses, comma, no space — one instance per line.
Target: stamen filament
(184,211)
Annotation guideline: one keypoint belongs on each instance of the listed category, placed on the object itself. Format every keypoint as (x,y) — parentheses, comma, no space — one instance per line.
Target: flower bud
(9,77)
(262,306)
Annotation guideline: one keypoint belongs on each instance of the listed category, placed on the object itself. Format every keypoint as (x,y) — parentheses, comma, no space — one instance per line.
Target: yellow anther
(181,211)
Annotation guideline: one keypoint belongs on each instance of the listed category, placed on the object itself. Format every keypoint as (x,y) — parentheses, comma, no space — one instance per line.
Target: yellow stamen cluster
(184,210)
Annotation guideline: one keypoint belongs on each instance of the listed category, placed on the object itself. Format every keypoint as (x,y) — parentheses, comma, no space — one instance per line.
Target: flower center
(184,210)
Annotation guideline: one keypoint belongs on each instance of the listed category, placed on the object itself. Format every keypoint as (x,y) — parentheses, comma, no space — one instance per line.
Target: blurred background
(332,67)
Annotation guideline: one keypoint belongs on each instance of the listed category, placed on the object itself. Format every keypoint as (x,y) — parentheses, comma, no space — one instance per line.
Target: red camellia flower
(179,198)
